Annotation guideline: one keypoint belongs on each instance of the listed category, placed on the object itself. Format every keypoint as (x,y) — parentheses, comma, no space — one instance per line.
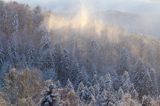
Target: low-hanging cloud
(121,5)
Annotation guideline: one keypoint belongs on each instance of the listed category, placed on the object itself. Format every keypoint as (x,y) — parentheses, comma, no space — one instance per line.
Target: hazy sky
(137,6)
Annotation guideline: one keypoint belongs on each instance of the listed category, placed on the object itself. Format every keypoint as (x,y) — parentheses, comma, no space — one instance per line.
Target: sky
(134,6)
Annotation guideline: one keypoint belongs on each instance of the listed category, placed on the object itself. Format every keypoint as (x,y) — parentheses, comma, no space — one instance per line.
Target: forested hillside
(48,59)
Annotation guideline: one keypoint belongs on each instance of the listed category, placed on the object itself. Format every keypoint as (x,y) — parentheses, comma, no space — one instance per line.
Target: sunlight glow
(82,18)
(82,22)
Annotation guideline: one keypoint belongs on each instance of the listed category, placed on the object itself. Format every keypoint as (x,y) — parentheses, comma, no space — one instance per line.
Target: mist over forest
(78,58)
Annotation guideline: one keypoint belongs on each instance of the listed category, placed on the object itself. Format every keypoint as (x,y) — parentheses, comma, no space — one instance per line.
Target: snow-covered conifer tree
(69,86)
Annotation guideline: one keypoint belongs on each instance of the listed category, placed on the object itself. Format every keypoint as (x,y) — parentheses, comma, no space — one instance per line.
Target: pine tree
(80,88)
(46,52)
(123,63)
(127,86)
(51,97)
(92,90)
(82,76)
(15,22)
(151,71)
(97,88)
(134,94)
(68,68)
(93,59)
(120,93)
(102,83)
(85,96)
(117,82)
(57,62)
(58,84)
(147,101)
(107,98)
(95,78)
(37,17)
(45,41)
(142,80)
(69,86)
(108,82)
